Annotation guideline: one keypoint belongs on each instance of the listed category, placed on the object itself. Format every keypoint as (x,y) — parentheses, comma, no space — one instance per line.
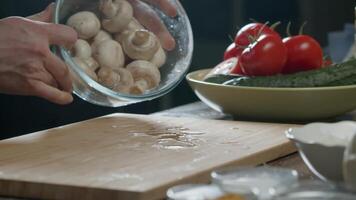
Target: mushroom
(85,68)
(108,77)
(109,54)
(81,49)
(91,63)
(134,25)
(85,23)
(119,80)
(140,45)
(101,36)
(145,74)
(117,14)
(159,59)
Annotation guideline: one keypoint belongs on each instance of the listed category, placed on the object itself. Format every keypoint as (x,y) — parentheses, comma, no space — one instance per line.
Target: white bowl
(349,164)
(322,147)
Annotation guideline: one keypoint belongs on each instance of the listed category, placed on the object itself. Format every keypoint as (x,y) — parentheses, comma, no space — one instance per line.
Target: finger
(50,93)
(152,22)
(61,35)
(166,6)
(59,71)
(45,15)
(47,78)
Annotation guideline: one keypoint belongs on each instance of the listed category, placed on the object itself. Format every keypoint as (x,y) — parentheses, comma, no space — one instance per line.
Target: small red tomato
(266,56)
(224,67)
(252,30)
(304,53)
(237,69)
(232,51)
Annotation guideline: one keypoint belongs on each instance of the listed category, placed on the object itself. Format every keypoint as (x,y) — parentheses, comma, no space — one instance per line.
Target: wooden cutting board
(125,156)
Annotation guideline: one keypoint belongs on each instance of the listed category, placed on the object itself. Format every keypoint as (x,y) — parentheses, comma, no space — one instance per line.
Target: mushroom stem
(140,45)
(116,22)
(108,8)
(145,74)
(85,68)
(140,38)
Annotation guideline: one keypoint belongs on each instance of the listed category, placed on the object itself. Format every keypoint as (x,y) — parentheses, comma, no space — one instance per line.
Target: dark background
(213,22)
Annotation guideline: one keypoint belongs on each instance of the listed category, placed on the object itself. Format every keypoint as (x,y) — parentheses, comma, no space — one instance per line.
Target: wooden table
(200,110)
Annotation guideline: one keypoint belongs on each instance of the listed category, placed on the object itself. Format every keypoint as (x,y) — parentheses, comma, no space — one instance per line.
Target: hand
(151,21)
(27,66)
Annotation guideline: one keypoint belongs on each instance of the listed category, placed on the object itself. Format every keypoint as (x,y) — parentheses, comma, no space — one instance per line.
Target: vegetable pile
(115,50)
(260,57)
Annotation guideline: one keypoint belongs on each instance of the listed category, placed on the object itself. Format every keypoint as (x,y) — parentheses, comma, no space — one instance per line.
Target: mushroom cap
(91,63)
(126,80)
(159,59)
(82,49)
(119,80)
(122,18)
(85,23)
(141,45)
(134,25)
(145,74)
(85,68)
(108,78)
(101,36)
(109,54)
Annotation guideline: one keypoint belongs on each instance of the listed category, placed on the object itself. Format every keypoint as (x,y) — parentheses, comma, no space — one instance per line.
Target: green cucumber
(335,75)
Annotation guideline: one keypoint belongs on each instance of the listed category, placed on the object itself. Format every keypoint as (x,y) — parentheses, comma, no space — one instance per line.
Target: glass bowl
(172,73)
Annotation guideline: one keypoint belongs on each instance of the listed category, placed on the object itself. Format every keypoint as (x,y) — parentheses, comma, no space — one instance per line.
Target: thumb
(45,15)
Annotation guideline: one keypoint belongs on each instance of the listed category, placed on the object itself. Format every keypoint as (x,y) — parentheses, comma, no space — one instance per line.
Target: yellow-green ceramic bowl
(274,104)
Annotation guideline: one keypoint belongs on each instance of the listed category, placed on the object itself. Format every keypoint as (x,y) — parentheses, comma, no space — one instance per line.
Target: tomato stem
(251,39)
(288,29)
(301,30)
(261,29)
(253,20)
(231,38)
(275,25)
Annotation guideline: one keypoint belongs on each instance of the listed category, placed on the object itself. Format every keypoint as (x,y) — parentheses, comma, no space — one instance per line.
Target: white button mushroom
(85,23)
(85,68)
(100,37)
(117,14)
(134,25)
(119,80)
(81,49)
(109,54)
(91,63)
(159,59)
(145,74)
(140,45)
(108,78)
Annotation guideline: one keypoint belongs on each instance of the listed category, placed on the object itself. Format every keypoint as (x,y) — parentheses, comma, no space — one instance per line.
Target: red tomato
(237,69)
(232,51)
(304,53)
(267,56)
(224,67)
(252,30)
